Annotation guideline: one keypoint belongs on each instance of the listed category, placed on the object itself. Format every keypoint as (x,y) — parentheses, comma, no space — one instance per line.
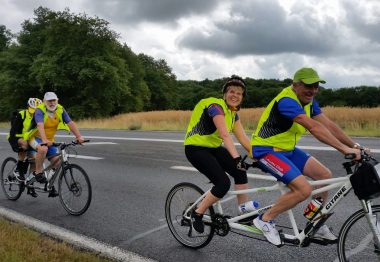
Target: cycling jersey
(277,134)
(202,130)
(276,127)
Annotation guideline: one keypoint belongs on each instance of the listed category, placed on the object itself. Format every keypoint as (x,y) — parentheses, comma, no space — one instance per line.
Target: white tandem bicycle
(359,237)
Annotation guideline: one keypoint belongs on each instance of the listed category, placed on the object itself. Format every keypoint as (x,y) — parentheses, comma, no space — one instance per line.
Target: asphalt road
(130,183)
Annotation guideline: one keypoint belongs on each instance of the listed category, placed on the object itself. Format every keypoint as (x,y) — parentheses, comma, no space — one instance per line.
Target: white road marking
(100,143)
(86,157)
(185,168)
(319,148)
(129,241)
(192,169)
(73,238)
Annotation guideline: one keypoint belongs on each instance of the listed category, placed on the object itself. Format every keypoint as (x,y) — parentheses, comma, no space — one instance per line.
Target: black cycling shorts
(214,163)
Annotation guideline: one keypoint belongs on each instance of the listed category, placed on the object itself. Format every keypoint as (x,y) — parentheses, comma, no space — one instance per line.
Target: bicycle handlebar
(364,156)
(252,164)
(63,145)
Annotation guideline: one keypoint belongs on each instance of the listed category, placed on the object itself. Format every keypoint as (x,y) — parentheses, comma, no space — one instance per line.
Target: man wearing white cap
(48,118)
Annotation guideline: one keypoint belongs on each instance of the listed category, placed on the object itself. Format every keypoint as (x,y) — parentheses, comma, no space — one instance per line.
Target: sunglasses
(310,86)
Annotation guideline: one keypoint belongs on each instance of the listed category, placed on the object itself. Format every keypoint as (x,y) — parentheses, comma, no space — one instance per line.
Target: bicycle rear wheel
(12,188)
(179,199)
(74,189)
(355,241)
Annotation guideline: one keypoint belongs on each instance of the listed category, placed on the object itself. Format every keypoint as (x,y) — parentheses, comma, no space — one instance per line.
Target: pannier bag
(366,180)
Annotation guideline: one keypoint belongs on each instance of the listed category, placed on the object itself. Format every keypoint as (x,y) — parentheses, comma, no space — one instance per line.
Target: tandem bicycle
(359,237)
(74,187)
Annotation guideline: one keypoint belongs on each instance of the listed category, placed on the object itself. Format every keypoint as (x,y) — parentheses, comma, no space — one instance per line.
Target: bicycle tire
(179,198)
(74,189)
(12,188)
(355,242)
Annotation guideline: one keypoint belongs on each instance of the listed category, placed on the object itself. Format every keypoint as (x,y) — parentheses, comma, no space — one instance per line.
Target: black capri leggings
(214,163)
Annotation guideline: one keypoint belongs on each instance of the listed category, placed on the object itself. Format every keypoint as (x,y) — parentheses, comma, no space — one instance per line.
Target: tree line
(94,75)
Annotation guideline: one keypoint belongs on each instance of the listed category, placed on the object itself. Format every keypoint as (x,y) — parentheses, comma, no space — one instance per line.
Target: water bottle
(312,208)
(248,206)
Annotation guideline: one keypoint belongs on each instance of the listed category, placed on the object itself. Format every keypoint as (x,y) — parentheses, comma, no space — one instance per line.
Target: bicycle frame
(60,163)
(344,187)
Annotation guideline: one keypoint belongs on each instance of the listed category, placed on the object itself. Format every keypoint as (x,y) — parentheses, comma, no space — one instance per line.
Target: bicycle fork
(372,222)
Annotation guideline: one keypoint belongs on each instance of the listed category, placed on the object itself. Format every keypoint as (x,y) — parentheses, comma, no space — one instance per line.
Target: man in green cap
(287,117)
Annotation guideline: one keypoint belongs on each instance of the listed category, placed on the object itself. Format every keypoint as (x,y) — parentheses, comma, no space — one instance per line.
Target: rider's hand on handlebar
(240,164)
(80,140)
(354,151)
(366,149)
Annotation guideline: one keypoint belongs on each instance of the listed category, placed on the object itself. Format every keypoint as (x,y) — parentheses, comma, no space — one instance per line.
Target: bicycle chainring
(220,224)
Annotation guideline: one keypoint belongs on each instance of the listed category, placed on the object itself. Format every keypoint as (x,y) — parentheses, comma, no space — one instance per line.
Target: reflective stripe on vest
(276,130)
(201,130)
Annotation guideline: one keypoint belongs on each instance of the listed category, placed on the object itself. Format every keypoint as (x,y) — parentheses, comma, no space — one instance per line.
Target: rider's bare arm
(220,124)
(73,128)
(241,135)
(335,130)
(324,135)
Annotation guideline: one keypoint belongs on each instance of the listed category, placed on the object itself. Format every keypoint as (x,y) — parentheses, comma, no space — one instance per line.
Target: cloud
(264,27)
(253,38)
(364,19)
(134,12)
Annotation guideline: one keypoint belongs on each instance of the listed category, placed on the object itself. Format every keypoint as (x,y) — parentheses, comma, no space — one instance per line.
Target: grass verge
(19,244)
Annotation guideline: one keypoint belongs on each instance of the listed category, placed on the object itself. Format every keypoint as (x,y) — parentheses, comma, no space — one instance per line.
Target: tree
(76,56)
(5,38)
(161,82)
(140,93)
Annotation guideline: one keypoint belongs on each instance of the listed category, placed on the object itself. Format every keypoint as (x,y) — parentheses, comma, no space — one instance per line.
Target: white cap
(50,96)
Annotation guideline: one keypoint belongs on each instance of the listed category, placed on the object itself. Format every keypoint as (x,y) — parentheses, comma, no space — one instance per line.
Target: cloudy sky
(253,38)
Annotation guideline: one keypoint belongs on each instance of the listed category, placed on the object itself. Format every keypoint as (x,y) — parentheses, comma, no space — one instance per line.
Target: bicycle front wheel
(74,189)
(179,199)
(355,241)
(12,188)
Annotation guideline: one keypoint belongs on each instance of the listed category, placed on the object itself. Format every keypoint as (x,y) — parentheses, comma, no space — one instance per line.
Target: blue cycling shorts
(284,165)
(34,142)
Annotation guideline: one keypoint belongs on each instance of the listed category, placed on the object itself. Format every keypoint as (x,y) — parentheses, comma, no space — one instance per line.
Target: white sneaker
(269,230)
(325,233)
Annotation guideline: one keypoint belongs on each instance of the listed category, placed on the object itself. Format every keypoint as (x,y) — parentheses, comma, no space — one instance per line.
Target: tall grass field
(355,121)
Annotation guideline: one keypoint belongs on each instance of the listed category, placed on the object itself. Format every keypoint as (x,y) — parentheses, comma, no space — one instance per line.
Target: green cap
(308,76)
